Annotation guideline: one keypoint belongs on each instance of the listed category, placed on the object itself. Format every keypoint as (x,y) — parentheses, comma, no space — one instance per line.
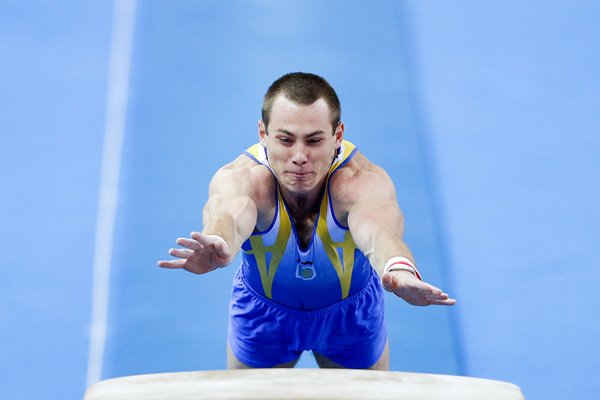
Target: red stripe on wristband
(412,267)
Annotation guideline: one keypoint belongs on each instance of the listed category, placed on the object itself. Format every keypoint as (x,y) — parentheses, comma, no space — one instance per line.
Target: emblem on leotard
(305,270)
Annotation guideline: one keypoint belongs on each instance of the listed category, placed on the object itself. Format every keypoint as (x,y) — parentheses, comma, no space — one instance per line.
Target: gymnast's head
(303,89)
(301,131)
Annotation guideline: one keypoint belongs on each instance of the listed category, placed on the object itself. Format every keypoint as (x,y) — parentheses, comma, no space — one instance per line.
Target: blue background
(485,114)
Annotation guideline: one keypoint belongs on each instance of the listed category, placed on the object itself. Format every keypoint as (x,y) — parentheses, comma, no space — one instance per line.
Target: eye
(284,139)
(315,141)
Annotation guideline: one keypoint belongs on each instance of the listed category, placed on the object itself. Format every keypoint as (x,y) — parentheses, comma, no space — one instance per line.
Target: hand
(201,254)
(414,291)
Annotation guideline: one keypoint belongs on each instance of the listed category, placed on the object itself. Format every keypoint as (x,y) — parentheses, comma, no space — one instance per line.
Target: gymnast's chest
(304,228)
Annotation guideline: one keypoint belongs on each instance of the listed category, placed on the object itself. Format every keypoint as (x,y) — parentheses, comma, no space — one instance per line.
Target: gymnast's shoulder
(243,176)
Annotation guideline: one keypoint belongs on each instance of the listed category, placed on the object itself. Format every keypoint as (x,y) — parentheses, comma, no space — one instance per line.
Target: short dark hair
(302,88)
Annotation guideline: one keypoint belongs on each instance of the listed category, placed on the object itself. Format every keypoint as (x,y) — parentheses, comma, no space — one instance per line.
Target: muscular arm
(231,210)
(374,218)
(229,217)
(377,227)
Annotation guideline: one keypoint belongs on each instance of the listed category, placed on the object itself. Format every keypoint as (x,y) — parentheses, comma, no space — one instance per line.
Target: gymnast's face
(301,144)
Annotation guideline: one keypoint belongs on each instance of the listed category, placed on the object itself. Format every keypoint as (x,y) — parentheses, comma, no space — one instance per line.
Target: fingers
(209,240)
(181,253)
(441,299)
(415,291)
(202,239)
(198,241)
(198,236)
(217,243)
(196,252)
(190,243)
(172,264)
(448,302)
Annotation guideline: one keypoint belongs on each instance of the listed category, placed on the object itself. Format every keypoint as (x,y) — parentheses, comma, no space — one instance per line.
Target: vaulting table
(330,384)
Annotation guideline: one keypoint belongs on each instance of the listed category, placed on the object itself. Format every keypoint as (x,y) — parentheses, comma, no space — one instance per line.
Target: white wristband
(401,264)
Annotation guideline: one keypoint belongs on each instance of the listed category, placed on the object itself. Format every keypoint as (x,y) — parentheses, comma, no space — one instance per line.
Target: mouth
(298,175)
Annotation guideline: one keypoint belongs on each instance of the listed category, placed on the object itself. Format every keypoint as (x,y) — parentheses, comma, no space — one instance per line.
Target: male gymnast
(320,232)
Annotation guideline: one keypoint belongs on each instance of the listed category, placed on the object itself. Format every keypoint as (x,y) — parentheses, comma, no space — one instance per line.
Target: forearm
(378,233)
(224,226)
(232,220)
(385,247)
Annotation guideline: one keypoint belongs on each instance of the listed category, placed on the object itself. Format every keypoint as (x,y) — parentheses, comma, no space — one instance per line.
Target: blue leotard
(330,269)
(287,299)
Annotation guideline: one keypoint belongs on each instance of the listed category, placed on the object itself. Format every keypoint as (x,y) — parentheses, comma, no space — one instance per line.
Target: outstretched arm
(377,227)
(229,217)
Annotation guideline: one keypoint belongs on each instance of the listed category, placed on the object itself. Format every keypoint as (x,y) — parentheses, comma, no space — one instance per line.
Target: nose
(299,156)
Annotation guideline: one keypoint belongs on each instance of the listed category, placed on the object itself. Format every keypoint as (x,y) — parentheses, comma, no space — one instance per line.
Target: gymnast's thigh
(261,334)
(355,335)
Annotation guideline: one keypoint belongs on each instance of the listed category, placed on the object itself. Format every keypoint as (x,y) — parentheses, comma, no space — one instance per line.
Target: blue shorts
(263,333)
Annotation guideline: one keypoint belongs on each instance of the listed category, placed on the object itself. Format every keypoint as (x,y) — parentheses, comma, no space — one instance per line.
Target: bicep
(232,201)
(374,212)
(239,211)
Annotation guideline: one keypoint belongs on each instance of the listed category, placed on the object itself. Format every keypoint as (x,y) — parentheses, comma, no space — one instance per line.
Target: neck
(303,204)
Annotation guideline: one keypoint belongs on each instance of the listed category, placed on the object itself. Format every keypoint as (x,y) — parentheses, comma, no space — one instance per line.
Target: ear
(262,133)
(339,134)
